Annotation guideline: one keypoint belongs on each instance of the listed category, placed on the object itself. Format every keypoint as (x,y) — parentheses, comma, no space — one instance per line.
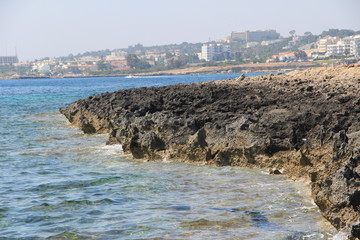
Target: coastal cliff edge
(304,123)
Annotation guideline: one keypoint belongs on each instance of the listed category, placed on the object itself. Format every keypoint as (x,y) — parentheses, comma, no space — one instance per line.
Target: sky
(53,28)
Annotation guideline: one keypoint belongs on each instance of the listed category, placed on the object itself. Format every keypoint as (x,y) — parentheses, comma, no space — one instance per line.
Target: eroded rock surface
(306,123)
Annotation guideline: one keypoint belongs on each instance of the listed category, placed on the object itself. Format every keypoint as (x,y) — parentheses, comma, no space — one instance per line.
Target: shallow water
(58,183)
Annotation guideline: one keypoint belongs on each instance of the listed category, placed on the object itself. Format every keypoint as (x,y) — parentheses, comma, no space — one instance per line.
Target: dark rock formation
(307,123)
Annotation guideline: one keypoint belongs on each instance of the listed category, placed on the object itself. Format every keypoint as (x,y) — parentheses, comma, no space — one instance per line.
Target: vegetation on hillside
(140,58)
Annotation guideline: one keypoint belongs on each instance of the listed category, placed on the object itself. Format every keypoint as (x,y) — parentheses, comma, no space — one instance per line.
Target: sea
(58,183)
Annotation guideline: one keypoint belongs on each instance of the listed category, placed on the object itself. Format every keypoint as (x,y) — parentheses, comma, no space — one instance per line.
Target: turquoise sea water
(57,183)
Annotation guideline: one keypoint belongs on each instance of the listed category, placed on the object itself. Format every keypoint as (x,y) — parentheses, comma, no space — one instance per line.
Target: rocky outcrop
(306,123)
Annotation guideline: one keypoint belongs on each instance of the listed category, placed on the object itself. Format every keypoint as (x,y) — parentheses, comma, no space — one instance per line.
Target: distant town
(331,47)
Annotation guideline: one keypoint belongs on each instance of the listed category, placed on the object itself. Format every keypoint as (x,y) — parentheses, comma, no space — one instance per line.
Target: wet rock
(355,231)
(198,139)
(355,200)
(87,127)
(242,77)
(144,144)
(275,171)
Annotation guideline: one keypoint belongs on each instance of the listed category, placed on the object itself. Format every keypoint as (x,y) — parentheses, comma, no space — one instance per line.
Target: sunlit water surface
(57,183)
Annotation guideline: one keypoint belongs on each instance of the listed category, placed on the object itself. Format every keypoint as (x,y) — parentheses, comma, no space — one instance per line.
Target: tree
(75,70)
(70,56)
(236,55)
(102,66)
(143,65)
(134,62)
(137,47)
(168,55)
(309,37)
(178,63)
(292,33)
(300,54)
(338,33)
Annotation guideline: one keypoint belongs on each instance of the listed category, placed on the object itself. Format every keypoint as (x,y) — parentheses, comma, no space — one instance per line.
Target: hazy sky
(51,28)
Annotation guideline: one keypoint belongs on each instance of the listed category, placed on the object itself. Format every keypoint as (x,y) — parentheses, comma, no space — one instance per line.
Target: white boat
(130,76)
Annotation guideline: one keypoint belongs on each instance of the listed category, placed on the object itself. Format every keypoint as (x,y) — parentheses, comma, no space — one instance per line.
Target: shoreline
(305,122)
(241,68)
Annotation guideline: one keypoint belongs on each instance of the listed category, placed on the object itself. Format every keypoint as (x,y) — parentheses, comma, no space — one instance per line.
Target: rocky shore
(240,68)
(305,124)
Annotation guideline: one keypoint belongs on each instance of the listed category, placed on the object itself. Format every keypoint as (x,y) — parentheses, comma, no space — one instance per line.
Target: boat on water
(130,76)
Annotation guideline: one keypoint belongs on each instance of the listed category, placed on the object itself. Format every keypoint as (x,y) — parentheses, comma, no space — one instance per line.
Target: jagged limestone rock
(304,122)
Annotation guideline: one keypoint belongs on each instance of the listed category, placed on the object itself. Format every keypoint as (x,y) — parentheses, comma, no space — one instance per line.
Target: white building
(340,48)
(88,59)
(349,46)
(210,52)
(267,43)
(354,42)
(116,55)
(357,46)
(41,67)
(324,42)
(251,44)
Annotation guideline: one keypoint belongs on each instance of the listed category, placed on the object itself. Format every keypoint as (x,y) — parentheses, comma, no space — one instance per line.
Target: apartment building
(340,48)
(325,42)
(8,60)
(354,42)
(255,36)
(211,52)
(348,46)
(116,55)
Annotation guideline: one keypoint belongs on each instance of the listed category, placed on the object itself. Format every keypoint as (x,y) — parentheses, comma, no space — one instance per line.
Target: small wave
(259,220)
(75,184)
(87,202)
(69,235)
(340,236)
(69,203)
(48,139)
(44,114)
(116,232)
(110,149)
(3,212)
(156,76)
(181,208)
(95,212)
(301,235)
(206,224)
(50,118)
(35,219)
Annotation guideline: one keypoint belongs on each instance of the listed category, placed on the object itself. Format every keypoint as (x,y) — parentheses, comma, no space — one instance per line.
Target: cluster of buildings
(218,51)
(214,52)
(116,60)
(82,65)
(335,46)
(254,36)
(75,66)
(4,60)
(324,48)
